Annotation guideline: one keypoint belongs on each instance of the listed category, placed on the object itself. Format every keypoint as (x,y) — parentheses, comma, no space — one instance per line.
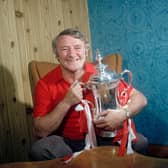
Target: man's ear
(57,57)
(87,52)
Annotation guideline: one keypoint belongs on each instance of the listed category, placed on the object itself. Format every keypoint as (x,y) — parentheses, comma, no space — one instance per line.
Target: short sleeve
(42,99)
(124,91)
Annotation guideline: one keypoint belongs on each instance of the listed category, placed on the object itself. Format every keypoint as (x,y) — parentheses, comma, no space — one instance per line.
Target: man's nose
(71,51)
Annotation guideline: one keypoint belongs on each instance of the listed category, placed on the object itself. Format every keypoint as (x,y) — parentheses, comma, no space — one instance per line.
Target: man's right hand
(74,94)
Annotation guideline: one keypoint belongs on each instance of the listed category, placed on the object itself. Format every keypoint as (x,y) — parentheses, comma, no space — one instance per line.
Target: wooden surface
(105,157)
(100,157)
(43,164)
(27,28)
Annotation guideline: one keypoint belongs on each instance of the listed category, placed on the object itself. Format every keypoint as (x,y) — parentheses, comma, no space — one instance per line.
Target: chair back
(38,69)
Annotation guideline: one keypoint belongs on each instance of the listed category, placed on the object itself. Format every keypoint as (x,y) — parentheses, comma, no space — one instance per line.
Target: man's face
(71,53)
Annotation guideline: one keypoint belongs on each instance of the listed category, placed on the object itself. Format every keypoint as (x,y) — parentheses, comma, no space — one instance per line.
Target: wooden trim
(156,150)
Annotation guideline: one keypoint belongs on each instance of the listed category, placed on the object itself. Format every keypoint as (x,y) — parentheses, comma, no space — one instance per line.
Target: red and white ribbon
(90,139)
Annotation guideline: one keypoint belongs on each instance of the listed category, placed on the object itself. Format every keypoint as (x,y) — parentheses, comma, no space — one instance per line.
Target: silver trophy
(104,86)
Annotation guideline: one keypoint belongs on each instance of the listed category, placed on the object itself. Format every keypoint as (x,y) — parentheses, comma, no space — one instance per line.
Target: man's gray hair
(71,32)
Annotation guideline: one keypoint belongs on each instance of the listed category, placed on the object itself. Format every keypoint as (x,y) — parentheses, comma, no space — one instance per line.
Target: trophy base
(109,134)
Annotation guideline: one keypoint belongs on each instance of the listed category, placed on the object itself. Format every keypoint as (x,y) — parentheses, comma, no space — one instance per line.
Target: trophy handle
(129,73)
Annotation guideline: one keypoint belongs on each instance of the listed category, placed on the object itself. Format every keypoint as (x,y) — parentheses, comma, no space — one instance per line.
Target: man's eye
(64,49)
(77,48)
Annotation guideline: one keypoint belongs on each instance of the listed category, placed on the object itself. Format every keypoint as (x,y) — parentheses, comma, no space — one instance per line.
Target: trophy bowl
(104,86)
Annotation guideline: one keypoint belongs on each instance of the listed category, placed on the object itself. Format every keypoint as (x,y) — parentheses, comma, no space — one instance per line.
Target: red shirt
(51,89)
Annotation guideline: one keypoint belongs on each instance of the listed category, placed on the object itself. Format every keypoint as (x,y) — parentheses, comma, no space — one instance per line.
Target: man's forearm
(136,103)
(47,124)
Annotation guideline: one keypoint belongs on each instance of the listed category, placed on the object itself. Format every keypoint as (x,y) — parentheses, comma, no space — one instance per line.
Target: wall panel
(138,30)
(27,28)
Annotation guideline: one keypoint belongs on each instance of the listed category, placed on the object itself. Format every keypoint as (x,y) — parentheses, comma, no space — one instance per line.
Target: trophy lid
(103,75)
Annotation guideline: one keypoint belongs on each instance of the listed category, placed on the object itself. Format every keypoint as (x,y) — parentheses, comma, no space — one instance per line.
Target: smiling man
(60,127)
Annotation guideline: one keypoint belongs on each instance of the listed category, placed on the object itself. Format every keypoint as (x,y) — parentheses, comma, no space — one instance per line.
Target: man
(60,127)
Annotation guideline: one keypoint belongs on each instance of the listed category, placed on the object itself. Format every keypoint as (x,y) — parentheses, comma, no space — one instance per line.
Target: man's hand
(110,119)
(74,94)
